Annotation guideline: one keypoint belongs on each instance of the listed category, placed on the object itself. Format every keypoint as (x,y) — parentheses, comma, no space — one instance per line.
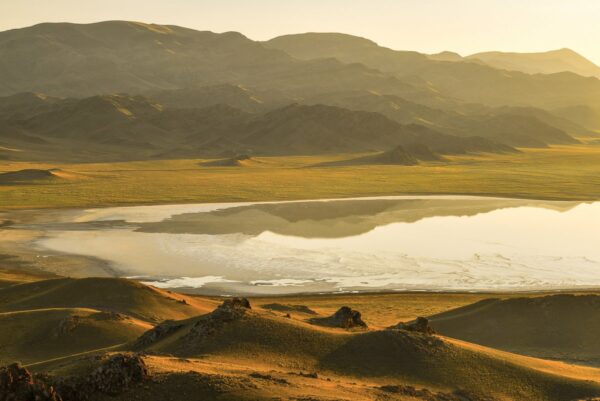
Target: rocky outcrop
(67,325)
(420,325)
(115,375)
(230,310)
(427,395)
(345,318)
(17,384)
(289,308)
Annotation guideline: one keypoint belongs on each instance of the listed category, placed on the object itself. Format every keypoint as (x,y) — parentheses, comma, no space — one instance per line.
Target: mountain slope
(514,126)
(123,127)
(80,60)
(540,63)
(466,80)
(326,129)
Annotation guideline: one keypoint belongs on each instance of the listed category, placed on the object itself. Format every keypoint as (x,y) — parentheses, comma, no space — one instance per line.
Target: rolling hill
(105,294)
(563,327)
(56,332)
(396,356)
(232,351)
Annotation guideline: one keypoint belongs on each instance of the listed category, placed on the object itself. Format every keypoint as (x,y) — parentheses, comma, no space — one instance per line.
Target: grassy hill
(41,334)
(105,294)
(376,355)
(44,319)
(231,352)
(561,327)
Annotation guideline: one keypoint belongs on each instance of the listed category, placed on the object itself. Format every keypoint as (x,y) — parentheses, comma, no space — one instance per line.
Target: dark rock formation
(114,376)
(230,310)
(114,316)
(17,384)
(67,325)
(420,325)
(427,395)
(345,318)
(289,308)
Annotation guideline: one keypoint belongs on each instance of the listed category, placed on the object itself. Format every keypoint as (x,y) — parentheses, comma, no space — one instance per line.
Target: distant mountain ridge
(79,60)
(119,89)
(464,79)
(549,62)
(121,127)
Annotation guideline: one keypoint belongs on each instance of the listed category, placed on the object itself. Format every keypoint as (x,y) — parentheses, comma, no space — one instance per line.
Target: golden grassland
(561,173)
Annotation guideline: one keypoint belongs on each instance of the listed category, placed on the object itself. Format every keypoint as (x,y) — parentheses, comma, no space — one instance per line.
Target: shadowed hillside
(27,176)
(391,355)
(123,127)
(562,327)
(41,334)
(116,295)
(232,351)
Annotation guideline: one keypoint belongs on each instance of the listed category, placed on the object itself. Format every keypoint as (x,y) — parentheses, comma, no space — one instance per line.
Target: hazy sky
(465,26)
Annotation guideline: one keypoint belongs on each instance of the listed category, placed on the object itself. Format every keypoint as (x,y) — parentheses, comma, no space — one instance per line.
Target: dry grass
(567,172)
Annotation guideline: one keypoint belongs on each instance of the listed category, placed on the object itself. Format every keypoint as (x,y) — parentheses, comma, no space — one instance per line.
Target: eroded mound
(197,329)
(27,175)
(345,318)
(289,308)
(235,161)
(420,325)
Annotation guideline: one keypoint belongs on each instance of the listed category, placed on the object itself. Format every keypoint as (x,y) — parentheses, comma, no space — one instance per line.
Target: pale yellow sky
(464,26)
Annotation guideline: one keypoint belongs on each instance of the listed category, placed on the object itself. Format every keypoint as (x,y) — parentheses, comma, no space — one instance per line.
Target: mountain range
(120,90)
(122,127)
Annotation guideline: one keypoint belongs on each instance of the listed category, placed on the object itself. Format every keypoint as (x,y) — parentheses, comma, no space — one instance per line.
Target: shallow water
(401,243)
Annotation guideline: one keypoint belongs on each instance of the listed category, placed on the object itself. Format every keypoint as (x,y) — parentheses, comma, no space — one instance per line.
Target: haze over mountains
(125,90)
(540,63)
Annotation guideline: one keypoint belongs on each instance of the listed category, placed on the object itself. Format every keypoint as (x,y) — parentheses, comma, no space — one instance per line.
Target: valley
(197,215)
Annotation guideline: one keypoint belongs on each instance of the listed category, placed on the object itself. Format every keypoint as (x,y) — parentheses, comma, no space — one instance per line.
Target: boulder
(17,384)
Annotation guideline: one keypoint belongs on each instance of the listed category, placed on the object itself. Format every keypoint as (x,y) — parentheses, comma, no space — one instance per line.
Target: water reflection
(330,219)
(397,244)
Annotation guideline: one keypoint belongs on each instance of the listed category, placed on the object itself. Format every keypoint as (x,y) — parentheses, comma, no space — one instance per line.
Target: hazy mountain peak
(344,47)
(446,56)
(553,61)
